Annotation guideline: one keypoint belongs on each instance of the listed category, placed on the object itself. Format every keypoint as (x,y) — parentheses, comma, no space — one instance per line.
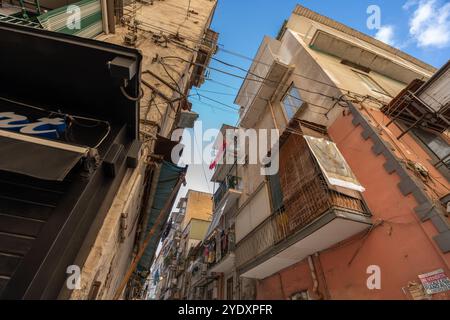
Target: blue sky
(418,27)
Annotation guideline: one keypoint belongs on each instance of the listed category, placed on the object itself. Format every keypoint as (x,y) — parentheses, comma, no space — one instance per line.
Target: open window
(437,146)
(371,84)
(291,102)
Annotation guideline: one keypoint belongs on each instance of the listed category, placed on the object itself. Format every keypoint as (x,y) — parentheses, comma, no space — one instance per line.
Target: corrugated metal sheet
(436,93)
(58,20)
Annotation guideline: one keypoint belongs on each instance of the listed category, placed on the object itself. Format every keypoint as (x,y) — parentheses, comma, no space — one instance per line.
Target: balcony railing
(207,48)
(306,198)
(227,246)
(281,226)
(230,182)
(210,40)
(198,271)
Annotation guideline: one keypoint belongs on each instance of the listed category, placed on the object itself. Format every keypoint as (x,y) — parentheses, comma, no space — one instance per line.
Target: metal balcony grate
(19,21)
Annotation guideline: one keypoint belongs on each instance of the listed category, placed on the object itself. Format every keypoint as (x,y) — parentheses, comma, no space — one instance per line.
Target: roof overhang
(358,53)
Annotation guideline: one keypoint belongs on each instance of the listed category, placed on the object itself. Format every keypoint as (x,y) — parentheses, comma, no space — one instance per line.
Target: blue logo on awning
(51,128)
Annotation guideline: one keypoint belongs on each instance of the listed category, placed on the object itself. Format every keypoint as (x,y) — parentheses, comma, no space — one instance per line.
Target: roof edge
(312,15)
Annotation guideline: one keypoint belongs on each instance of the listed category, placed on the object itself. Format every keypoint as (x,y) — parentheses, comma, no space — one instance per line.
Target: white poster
(332,163)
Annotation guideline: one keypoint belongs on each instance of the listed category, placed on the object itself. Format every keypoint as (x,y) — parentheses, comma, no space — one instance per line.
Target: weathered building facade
(363,178)
(184,232)
(176,44)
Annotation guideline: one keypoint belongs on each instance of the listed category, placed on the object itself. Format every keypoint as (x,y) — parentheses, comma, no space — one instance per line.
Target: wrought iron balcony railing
(230,182)
(307,197)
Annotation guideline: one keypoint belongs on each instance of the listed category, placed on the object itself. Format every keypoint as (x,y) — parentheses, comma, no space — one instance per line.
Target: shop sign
(44,127)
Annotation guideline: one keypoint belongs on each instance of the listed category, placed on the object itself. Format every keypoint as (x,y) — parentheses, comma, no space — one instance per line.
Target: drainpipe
(105,16)
(111,16)
(314,277)
(273,115)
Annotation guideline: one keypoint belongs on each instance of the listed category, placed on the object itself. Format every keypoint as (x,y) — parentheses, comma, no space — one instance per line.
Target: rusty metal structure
(306,194)
(306,198)
(418,105)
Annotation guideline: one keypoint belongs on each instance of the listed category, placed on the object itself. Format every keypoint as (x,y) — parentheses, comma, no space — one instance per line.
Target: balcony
(229,191)
(226,157)
(209,41)
(178,217)
(208,47)
(315,216)
(226,260)
(260,84)
(198,272)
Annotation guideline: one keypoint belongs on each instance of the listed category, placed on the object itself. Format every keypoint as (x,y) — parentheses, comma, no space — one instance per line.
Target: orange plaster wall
(401,246)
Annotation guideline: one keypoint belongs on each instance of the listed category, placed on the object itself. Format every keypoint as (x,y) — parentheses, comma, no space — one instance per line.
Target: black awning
(36,160)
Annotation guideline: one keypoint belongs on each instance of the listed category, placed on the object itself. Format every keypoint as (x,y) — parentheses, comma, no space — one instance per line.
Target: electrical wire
(213,106)
(265,80)
(218,102)
(221,48)
(69,116)
(122,89)
(216,92)
(171,78)
(333,98)
(186,17)
(294,73)
(203,168)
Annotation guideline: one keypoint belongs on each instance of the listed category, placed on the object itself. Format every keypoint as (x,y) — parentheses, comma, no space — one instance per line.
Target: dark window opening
(439,147)
(355,66)
(291,102)
(276,193)
(371,83)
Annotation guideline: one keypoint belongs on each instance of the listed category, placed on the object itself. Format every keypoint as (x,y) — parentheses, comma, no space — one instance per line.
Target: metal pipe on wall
(105,16)
(314,276)
(111,16)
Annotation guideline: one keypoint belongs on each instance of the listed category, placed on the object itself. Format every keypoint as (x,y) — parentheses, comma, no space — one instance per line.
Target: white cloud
(430,23)
(410,3)
(386,34)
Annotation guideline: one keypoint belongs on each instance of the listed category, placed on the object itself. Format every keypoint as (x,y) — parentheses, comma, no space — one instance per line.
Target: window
(292,102)
(276,193)
(230,288)
(437,145)
(372,84)
(355,66)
